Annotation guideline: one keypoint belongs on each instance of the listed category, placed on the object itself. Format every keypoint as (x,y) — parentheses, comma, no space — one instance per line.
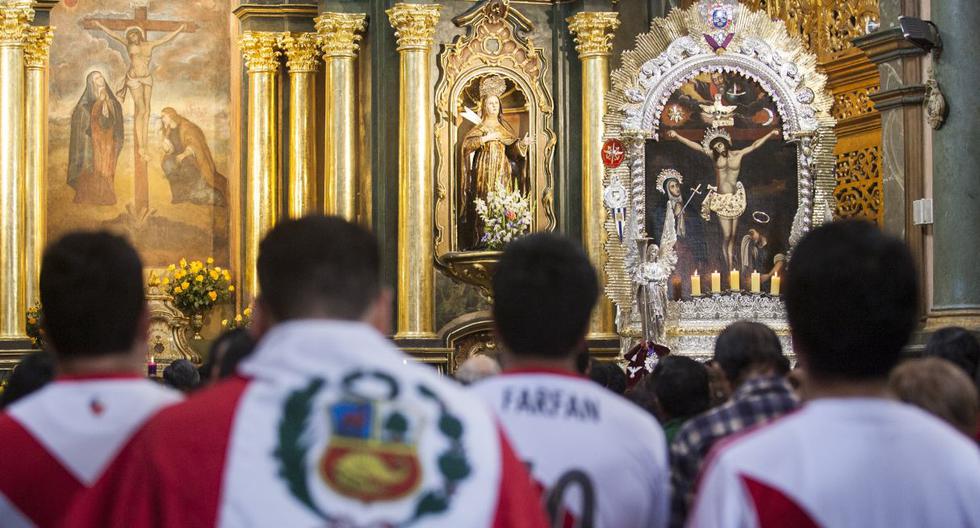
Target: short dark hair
(92,294)
(852,300)
(30,374)
(958,346)
(318,265)
(681,386)
(182,375)
(544,291)
(225,353)
(745,345)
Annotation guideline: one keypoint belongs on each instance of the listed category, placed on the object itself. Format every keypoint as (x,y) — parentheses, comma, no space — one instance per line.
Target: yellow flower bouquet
(241,320)
(34,315)
(197,286)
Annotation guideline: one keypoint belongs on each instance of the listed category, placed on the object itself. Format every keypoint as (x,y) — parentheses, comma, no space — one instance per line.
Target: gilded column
(301,61)
(36,162)
(339,36)
(414,26)
(593,37)
(262,164)
(15,15)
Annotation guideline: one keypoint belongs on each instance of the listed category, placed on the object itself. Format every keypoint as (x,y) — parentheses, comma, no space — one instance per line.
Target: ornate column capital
(38,46)
(260,51)
(414,24)
(593,32)
(15,17)
(301,51)
(339,33)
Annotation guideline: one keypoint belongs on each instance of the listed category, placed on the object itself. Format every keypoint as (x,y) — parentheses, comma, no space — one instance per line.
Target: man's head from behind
(851,296)
(681,386)
(319,267)
(544,291)
(92,294)
(747,349)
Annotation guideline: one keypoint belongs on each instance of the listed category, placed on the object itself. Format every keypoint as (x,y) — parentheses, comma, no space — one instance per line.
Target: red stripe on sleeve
(774,509)
(518,501)
(171,475)
(31,478)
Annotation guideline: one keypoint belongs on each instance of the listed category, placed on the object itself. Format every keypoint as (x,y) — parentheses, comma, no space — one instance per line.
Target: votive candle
(756,282)
(151,368)
(774,285)
(733,281)
(716,282)
(695,284)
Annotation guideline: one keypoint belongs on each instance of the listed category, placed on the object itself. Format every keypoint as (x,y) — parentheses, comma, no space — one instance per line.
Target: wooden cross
(141,19)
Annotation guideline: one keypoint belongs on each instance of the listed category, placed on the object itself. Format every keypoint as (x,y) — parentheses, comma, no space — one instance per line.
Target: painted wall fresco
(139,124)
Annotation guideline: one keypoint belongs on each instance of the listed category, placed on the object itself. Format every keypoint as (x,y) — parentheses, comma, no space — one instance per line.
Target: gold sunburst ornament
(492,86)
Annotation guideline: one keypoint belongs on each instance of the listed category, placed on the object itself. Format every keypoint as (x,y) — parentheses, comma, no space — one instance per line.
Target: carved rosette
(15,17)
(414,24)
(339,33)
(593,32)
(37,47)
(260,51)
(302,51)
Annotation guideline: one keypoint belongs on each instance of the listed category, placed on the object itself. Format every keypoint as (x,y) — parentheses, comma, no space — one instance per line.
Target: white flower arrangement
(506,215)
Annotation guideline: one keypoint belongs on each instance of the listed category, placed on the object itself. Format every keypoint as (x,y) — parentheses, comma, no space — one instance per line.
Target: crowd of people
(312,417)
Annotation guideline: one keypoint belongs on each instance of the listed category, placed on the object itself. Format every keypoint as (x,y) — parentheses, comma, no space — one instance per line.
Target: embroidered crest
(372,452)
(613,153)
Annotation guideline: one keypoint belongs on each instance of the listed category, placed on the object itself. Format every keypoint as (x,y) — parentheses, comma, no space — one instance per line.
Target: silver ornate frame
(675,50)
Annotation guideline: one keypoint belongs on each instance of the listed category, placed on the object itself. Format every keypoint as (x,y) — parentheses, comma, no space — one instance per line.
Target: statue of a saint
(491,154)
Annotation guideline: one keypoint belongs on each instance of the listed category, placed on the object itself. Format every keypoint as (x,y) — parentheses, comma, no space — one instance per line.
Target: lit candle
(695,284)
(151,368)
(733,283)
(756,282)
(774,285)
(716,282)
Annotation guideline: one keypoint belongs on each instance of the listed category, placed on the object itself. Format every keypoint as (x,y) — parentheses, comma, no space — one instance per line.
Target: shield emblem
(371,455)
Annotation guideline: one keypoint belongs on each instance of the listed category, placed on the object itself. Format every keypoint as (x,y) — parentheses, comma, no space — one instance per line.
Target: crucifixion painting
(132,34)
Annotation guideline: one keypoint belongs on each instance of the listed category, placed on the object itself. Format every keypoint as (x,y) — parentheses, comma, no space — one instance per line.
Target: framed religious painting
(728,161)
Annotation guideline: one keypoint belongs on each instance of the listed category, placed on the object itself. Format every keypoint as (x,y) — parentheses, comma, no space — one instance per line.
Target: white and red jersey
(328,425)
(64,440)
(865,462)
(600,456)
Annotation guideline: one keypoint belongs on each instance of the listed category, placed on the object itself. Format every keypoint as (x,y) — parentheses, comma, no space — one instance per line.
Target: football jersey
(865,462)
(598,455)
(328,425)
(63,441)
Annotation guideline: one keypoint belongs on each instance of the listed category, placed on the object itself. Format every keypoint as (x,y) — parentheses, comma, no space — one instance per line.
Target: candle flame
(151,360)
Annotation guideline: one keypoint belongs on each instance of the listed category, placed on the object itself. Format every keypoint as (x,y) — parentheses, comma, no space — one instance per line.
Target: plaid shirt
(757,401)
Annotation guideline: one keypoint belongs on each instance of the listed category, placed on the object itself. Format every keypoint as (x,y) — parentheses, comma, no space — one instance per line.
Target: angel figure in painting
(139,79)
(492,154)
(727,197)
(95,143)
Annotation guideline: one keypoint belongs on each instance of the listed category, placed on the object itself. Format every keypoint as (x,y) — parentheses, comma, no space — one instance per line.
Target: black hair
(33,372)
(958,346)
(181,375)
(237,342)
(237,351)
(851,297)
(582,361)
(544,291)
(715,141)
(681,386)
(92,294)
(745,345)
(318,265)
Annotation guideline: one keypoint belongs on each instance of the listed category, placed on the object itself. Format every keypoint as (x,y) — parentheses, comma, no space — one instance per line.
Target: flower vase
(197,324)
